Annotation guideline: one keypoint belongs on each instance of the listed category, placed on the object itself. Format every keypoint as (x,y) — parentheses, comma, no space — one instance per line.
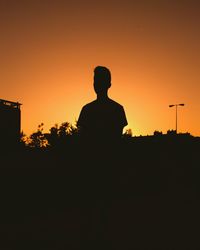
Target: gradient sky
(48,50)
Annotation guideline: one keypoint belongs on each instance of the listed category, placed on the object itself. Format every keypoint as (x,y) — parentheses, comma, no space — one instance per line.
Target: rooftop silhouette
(10,126)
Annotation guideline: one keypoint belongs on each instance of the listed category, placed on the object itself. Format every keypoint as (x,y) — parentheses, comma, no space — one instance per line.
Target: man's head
(102,79)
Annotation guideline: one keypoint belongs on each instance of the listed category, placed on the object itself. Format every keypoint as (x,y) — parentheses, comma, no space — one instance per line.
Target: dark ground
(139,195)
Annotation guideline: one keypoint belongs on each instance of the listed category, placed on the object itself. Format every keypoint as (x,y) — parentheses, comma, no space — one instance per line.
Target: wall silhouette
(10,122)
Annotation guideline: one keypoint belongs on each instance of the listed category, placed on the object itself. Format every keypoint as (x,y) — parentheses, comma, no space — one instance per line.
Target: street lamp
(176,105)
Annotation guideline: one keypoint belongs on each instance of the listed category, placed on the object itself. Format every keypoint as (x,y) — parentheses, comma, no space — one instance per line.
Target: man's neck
(102,97)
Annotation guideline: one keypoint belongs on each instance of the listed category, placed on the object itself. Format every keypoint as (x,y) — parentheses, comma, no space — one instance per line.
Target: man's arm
(82,121)
(123,119)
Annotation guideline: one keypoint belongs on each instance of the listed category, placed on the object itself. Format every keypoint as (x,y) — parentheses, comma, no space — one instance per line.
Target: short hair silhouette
(103,118)
(102,78)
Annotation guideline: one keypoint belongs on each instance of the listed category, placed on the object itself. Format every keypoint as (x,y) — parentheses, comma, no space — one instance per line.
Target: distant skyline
(48,50)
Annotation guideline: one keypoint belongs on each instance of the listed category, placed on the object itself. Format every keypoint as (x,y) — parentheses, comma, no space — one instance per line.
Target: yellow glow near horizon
(49,50)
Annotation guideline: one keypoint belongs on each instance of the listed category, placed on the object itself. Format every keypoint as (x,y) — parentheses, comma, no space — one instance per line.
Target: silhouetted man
(100,122)
(102,118)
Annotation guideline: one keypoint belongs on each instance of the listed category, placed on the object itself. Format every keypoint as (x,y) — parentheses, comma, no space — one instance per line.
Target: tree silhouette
(61,135)
(58,136)
(127,134)
(157,133)
(37,139)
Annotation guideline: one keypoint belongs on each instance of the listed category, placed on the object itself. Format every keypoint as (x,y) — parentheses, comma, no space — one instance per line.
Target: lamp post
(176,105)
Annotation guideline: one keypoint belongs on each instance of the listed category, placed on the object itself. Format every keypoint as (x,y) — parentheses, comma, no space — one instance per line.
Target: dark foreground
(139,195)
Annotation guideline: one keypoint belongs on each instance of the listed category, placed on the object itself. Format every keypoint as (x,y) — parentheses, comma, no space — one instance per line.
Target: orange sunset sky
(49,48)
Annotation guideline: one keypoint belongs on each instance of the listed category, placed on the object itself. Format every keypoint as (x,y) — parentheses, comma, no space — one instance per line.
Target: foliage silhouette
(59,135)
(37,139)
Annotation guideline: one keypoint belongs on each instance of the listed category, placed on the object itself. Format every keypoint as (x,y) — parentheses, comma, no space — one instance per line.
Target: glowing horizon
(49,50)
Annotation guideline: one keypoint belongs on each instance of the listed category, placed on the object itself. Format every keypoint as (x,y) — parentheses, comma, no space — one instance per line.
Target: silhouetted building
(10,122)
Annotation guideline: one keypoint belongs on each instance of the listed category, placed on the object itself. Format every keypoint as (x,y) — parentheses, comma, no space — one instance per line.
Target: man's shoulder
(115,104)
(95,104)
(89,105)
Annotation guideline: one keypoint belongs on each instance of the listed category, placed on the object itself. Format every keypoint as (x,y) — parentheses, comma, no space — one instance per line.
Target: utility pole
(176,105)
